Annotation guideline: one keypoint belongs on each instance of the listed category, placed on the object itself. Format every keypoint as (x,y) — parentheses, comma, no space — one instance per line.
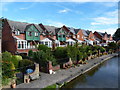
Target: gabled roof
(21,25)
(85,33)
(76,30)
(102,34)
(52,29)
(17,25)
(71,29)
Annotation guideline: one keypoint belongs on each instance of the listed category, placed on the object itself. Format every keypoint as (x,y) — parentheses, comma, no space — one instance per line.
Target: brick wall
(8,42)
(80,33)
(90,37)
(21,36)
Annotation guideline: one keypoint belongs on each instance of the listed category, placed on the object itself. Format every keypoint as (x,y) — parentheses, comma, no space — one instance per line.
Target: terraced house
(103,38)
(20,37)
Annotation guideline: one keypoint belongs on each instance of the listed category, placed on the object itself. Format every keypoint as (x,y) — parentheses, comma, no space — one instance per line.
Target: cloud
(54,23)
(109,18)
(64,11)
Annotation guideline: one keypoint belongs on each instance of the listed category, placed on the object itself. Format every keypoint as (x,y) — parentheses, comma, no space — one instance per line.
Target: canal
(102,76)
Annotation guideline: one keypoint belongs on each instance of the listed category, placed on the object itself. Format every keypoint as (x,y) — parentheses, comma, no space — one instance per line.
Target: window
(46,43)
(73,36)
(78,36)
(59,36)
(63,36)
(36,34)
(17,32)
(30,33)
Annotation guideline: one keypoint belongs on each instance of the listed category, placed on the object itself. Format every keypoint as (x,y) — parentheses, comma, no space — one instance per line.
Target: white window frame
(17,32)
(36,34)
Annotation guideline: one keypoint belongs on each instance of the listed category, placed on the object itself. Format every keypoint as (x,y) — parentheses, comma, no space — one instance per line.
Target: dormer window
(17,32)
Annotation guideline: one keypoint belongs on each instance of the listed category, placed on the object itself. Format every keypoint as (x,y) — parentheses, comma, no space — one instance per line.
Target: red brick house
(19,37)
(103,38)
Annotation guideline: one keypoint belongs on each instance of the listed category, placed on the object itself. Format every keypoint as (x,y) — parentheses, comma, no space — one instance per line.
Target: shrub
(42,58)
(30,53)
(6,56)
(43,47)
(102,49)
(7,69)
(15,59)
(60,54)
(25,64)
(72,52)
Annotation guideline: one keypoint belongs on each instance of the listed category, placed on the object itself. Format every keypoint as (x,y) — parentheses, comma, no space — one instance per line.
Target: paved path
(49,79)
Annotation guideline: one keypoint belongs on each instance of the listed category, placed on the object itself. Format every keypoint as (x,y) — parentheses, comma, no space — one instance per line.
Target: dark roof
(51,29)
(71,29)
(57,30)
(108,35)
(102,34)
(88,32)
(85,32)
(17,25)
(76,30)
(51,39)
(22,25)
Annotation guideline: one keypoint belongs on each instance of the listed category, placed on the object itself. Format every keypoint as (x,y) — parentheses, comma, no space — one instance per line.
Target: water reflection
(103,76)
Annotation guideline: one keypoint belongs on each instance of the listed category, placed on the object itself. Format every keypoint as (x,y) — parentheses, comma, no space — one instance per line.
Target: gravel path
(61,75)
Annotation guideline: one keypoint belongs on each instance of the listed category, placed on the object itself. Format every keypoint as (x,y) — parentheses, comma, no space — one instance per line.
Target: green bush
(15,59)
(8,69)
(72,52)
(30,53)
(42,58)
(43,47)
(102,49)
(25,64)
(6,56)
(60,54)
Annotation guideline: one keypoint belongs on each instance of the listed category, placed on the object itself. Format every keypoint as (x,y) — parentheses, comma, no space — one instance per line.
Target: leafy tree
(30,53)
(43,47)
(72,52)
(102,49)
(112,46)
(116,35)
(42,58)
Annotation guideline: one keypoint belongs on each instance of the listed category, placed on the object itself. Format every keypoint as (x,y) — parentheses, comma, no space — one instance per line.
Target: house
(49,36)
(21,37)
(103,38)
(85,36)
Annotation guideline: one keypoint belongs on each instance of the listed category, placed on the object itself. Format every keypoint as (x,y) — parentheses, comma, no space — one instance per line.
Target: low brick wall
(57,67)
(67,64)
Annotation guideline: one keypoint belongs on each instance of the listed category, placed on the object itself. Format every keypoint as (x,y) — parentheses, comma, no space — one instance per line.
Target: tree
(72,52)
(30,53)
(116,35)
(112,46)
(43,47)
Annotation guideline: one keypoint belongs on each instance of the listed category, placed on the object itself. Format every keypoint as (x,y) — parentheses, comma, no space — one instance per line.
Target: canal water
(102,76)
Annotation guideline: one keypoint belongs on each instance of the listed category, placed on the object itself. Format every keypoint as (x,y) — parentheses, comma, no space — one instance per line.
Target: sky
(94,16)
